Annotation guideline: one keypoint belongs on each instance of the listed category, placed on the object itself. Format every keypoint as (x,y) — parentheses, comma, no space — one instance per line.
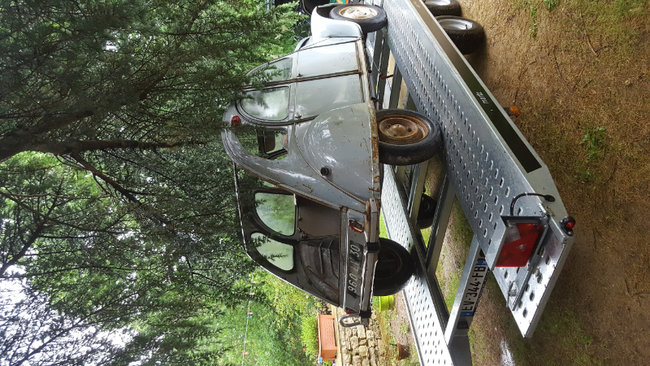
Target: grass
(561,328)
(461,231)
(404,328)
(384,319)
(533,21)
(594,145)
(309,335)
(594,142)
(452,260)
(550,4)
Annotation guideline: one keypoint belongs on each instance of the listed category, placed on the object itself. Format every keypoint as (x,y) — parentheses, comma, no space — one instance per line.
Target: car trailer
(522,232)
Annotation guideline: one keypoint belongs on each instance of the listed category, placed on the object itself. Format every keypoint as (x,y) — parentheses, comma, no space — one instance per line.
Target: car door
(294,238)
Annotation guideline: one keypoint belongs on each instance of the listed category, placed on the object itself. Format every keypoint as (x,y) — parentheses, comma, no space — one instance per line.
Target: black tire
(371,18)
(307,6)
(426,212)
(467,35)
(394,268)
(406,137)
(443,7)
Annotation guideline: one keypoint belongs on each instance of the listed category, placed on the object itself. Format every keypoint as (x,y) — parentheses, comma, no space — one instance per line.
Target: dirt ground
(579,73)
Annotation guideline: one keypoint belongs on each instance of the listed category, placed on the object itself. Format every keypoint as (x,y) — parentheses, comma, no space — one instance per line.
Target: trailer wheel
(369,17)
(427,211)
(406,137)
(466,34)
(394,268)
(443,7)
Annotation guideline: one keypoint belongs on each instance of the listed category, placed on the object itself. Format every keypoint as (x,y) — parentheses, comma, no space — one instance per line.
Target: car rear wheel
(406,137)
(394,268)
(369,17)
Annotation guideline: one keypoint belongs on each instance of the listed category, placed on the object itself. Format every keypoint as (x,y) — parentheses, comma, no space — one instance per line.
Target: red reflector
(356,226)
(570,225)
(235,121)
(520,242)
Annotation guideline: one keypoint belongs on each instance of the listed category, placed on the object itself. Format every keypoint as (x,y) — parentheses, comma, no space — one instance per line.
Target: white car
(309,180)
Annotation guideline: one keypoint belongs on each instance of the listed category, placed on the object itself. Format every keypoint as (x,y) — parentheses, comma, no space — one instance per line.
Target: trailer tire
(406,137)
(426,212)
(467,35)
(443,7)
(394,268)
(369,17)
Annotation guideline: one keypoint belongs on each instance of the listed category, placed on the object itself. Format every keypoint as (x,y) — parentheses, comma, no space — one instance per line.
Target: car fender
(323,27)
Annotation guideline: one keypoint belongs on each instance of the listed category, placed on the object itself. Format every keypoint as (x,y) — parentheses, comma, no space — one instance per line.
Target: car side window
(270,104)
(277,211)
(277,253)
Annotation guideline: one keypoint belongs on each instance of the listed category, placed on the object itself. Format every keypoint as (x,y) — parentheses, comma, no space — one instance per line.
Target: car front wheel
(406,137)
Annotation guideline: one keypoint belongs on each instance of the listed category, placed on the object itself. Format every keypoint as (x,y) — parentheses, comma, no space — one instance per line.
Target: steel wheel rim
(402,130)
(358,12)
(439,2)
(459,24)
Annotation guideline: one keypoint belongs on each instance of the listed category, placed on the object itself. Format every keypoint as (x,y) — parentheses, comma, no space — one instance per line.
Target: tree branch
(116,186)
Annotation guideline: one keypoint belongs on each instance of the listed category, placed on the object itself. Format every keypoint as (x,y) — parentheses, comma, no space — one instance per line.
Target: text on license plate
(474,288)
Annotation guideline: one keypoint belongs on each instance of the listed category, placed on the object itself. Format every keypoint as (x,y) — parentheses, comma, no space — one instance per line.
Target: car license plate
(355,260)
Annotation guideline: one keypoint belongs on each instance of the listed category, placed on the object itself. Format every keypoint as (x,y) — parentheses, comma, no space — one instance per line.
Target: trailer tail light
(522,237)
(568,223)
(235,121)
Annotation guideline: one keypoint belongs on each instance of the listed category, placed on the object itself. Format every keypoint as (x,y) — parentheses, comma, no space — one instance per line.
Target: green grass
(404,328)
(451,265)
(309,335)
(533,21)
(594,143)
(450,290)
(559,330)
(461,231)
(618,25)
(551,4)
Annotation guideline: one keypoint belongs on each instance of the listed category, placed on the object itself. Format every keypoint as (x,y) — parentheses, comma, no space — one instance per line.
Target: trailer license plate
(474,288)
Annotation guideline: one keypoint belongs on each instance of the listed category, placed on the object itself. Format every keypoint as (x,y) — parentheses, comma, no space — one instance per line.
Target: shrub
(309,335)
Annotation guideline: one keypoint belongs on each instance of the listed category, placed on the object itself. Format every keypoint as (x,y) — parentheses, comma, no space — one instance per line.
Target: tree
(115,194)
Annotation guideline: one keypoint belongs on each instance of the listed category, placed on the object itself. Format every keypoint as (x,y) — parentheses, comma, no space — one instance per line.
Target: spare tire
(443,7)
(467,35)
(371,18)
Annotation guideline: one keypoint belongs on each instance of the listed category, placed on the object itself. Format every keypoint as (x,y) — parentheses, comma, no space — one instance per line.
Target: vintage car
(308,147)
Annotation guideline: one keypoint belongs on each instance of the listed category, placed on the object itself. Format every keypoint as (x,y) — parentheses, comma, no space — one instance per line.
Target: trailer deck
(491,169)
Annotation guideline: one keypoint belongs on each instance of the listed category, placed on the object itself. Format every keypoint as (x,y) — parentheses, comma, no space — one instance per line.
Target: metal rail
(488,164)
